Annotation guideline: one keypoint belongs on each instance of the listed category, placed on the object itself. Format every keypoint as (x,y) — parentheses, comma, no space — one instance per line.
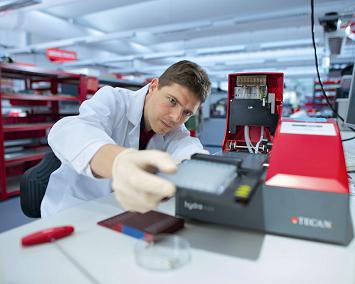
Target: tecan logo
(311,222)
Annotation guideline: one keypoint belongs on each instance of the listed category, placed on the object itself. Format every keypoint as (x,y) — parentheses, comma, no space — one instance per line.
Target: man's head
(175,96)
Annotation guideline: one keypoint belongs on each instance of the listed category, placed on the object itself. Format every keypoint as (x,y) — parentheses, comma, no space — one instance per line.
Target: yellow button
(242,191)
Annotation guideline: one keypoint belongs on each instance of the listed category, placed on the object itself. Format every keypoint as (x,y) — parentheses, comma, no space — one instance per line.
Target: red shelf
(25,156)
(26,126)
(316,105)
(318,101)
(39,97)
(33,126)
(321,96)
(325,89)
(16,69)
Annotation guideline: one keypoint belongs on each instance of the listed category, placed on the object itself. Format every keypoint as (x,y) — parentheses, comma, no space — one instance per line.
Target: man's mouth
(165,124)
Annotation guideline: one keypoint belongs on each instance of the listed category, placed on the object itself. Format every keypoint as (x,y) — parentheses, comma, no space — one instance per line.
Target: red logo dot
(294,220)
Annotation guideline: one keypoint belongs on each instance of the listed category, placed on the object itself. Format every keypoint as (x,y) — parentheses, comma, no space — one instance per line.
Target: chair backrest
(34,183)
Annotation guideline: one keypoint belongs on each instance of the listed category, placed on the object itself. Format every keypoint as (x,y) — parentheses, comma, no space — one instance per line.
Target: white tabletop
(348,145)
(219,254)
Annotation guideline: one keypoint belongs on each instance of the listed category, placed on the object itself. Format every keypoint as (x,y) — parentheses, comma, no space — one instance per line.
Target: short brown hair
(189,75)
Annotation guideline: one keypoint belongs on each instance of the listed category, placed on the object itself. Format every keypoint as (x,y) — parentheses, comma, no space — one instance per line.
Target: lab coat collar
(134,115)
(136,105)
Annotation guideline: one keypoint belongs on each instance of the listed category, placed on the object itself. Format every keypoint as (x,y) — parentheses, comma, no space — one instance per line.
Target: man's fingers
(134,206)
(149,183)
(132,198)
(158,159)
(135,187)
(138,201)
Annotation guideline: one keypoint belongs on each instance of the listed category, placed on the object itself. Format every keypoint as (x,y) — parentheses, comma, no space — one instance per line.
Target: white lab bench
(219,254)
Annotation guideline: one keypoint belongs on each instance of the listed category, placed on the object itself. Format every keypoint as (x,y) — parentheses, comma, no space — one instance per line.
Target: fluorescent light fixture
(163,55)
(17,4)
(125,58)
(294,71)
(108,37)
(118,59)
(78,63)
(86,71)
(19,50)
(72,41)
(285,43)
(181,27)
(300,58)
(245,62)
(99,61)
(43,46)
(257,55)
(271,16)
(224,49)
(147,69)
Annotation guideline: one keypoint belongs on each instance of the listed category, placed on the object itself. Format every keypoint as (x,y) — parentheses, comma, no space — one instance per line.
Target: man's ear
(154,84)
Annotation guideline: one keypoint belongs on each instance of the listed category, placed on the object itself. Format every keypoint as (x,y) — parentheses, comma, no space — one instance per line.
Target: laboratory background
(274,200)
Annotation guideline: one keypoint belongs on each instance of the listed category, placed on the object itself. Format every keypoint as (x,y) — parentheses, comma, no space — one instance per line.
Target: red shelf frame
(26,71)
(58,98)
(317,102)
(15,164)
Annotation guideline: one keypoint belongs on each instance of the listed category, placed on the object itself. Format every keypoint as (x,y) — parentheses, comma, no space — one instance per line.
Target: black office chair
(34,183)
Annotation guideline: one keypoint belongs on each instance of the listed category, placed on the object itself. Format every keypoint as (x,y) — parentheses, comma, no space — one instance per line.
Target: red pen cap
(47,235)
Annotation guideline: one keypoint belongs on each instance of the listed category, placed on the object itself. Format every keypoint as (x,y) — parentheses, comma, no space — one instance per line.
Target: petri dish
(165,252)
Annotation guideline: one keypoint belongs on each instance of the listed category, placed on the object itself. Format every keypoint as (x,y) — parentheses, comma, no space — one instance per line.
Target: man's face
(168,107)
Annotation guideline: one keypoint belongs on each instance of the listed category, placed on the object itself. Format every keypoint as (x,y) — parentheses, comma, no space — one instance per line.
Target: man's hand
(135,187)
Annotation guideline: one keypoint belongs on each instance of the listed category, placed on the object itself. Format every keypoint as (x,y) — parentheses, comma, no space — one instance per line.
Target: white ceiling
(144,37)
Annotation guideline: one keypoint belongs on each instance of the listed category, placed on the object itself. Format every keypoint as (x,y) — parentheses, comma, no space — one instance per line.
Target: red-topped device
(315,159)
(306,191)
(254,109)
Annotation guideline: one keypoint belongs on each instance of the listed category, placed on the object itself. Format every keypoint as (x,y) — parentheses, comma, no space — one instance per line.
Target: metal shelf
(25,156)
(27,126)
(23,137)
(22,142)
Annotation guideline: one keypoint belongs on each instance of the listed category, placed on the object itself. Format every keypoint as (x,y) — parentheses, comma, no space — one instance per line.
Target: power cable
(320,81)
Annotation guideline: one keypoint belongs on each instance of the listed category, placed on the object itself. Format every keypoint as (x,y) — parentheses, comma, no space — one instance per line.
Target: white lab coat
(111,116)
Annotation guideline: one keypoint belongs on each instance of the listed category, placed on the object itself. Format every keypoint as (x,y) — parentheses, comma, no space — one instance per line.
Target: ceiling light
(17,4)
(224,49)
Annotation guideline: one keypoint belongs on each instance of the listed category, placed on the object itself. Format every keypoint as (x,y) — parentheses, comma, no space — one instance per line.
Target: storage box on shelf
(318,106)
(32,100)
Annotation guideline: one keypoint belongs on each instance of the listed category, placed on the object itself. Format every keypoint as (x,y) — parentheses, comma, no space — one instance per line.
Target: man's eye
(172,101)
(188,113)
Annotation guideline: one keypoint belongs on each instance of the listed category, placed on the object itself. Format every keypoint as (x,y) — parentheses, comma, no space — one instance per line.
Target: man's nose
(176,114)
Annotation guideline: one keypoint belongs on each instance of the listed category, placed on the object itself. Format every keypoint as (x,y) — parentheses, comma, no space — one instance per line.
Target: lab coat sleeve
(183,146)
(76,139)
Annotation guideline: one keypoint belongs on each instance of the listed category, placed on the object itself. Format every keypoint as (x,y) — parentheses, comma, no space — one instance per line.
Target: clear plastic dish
(166,252)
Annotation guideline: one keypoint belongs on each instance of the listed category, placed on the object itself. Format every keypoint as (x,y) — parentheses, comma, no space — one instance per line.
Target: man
(99,147)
